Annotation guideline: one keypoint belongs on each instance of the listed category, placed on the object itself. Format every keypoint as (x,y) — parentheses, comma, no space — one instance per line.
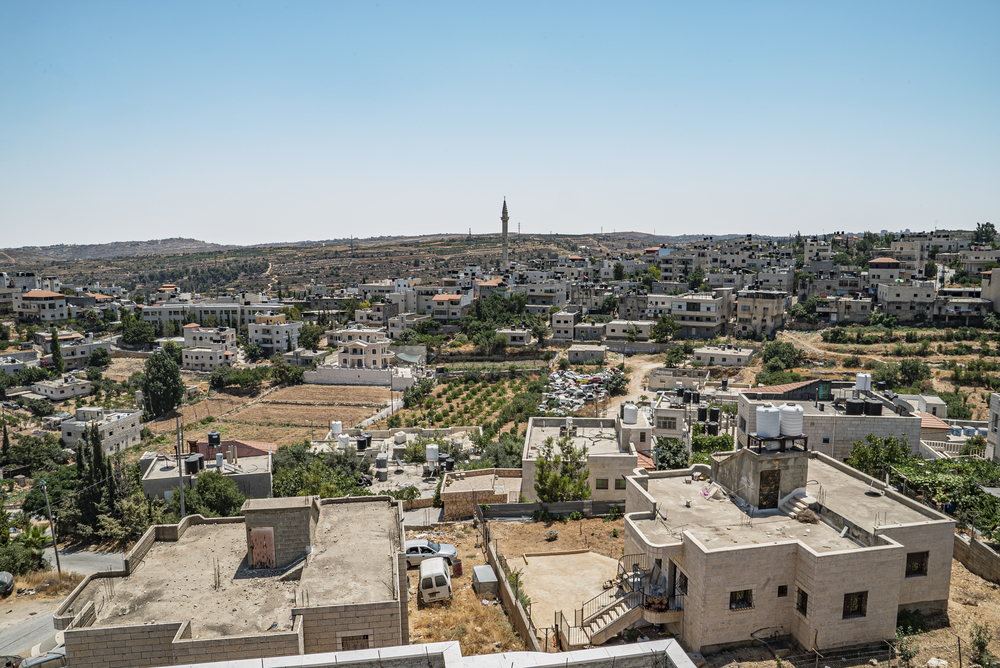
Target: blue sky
(251,122)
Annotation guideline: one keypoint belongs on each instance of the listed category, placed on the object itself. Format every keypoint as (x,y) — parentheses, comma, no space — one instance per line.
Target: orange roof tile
(884,259)
(778,389)
(39,294)
(444,298)
(645,462)
(928,421)
(191,325)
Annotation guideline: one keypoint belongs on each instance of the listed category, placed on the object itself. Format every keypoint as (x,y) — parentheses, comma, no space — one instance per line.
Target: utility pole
(52,528)
(180,469)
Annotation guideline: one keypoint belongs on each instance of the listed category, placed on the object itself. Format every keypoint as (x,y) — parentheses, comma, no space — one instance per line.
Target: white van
(435,581)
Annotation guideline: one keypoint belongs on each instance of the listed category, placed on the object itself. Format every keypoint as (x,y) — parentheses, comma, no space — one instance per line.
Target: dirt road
(641,365)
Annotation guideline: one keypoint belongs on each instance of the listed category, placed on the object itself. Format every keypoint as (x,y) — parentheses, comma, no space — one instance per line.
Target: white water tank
(336,427)
(343,440)
(399,437)
(768,421)
(790,420)
(863,382)
(630,414)
(432,452)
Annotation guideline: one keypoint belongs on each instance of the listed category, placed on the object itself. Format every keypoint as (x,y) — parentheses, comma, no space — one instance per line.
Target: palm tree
(34,538)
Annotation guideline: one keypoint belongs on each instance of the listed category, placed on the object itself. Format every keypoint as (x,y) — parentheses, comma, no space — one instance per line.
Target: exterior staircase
(614,618)
(796,503)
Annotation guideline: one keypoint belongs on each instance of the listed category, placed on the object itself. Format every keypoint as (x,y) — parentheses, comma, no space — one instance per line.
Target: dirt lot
(300,415)
(517,538)
(972,600)
(215,406)
(479,629)
(343,395)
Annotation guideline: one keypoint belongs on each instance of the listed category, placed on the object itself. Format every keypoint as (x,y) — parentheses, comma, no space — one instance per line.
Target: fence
(510,511)
(953,448)
(509,593)
(857,656)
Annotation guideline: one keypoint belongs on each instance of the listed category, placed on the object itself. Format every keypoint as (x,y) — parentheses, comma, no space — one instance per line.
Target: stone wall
(293,526)
(458,504)
(978,557)
(187,650)
(324,627)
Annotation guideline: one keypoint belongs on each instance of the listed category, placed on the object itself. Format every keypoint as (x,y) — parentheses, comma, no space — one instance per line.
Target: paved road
(21,636)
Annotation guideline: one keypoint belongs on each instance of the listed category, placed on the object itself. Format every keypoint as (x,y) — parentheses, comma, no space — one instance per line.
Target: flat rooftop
(845,495)
(721,524)
(810,408)
(599,440)
(483,483)
(351,562)
(165,468)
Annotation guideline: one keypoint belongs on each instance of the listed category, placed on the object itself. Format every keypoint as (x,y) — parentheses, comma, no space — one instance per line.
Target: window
(642,437)
(680,582)
(666,423)
(855,605)
(782,591)
(741,600)
(354,642)
(619,483)
(826,439)
(602,483)
(802,603)
(743,424)
(916,564)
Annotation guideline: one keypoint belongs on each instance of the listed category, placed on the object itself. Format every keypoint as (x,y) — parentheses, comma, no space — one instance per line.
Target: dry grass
(346,395)
(517,538)
(299,415)
(47,584)
(479,629)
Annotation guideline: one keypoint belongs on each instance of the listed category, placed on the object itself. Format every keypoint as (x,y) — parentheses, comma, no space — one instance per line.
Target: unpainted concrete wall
(188,650)
(978,557)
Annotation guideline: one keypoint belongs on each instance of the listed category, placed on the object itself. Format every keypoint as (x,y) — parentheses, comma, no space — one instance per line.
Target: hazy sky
(245,122)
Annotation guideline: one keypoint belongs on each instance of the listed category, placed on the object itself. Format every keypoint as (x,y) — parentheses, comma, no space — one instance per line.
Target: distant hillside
(122,249)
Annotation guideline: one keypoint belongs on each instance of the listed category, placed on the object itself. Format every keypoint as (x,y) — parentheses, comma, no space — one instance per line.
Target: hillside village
(714,451)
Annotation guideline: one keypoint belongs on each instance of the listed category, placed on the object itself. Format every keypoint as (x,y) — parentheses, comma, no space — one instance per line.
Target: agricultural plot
(310,405)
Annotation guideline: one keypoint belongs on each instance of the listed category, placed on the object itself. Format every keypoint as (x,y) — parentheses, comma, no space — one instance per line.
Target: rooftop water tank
(214,439)
(768,421)
(432,452)
(399,438)
(855,406)
(702,413)
(863,382)
(713,414)
(336,427)
(873,407)
(713,428)
(630,414)
(343,440)
(791,420)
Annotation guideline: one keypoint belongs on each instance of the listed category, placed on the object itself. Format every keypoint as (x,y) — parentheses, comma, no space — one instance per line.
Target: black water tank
(881,386)
(191,465)
(365,436)
(449,464)
(695,397)
(702,413)
(855,406)
(214,439)
(713,413)
(713,428)
(680,392)
(687,396)
(873,407)
(725,383)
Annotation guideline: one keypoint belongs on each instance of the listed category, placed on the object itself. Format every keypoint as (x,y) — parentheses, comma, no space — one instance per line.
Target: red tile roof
(645,461)
(444,298)
(191,325)
(884,259)
(928,421)
(39,294)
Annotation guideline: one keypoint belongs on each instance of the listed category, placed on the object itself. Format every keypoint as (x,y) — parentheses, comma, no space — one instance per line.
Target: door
(262,547)
(767,495)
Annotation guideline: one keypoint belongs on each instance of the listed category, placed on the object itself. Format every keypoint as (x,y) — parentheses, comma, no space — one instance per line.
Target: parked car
(6,584)
(419,549)
(10,660)
(55,658)
(435,581)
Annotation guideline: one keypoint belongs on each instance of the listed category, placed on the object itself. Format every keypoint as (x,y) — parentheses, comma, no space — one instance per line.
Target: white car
(419,549)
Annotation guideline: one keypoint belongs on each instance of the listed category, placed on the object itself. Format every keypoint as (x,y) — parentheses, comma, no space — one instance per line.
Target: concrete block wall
(928,593)
(978,558)
(233,648)
(293,530)
(324,626)
(139,646)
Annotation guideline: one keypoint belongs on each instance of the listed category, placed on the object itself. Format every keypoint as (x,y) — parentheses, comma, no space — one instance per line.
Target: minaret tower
(504,218)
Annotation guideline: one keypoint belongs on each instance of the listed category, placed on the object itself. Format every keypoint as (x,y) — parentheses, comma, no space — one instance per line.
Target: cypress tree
(6,443)
(57,359)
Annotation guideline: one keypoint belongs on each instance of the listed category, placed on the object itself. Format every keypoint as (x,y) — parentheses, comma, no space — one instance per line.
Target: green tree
(174,350)
(664,329)
(57,358)
(619,271)
(671,453)
(783,351)
(310,336)
(696,278)
(6,444)
(138,333)
(162,384)
(561,475)
(906,649)
(217,494)
(33,538)
(608,304)
(875,456)
(980,637)
(984,234)
(254,352)
(99,358)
